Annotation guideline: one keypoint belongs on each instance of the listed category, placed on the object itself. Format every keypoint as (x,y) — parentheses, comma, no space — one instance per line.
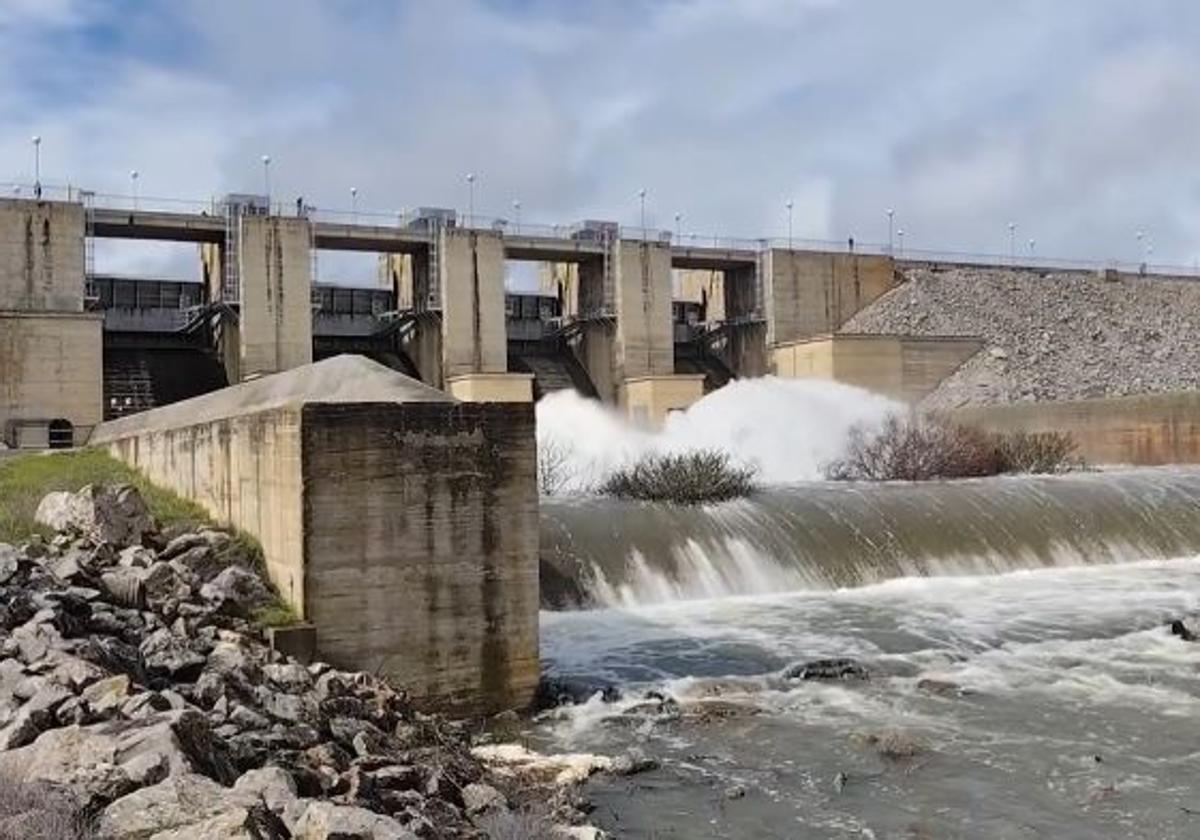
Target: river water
(1021,681)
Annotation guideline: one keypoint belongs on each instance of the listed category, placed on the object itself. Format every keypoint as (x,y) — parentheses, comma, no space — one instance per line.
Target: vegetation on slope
(24,480)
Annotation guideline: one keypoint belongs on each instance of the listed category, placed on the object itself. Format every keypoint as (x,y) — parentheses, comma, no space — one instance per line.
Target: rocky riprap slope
(137,694)
(1049,336)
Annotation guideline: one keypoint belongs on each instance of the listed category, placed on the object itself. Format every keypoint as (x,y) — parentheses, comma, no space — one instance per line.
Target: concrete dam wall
(397,520)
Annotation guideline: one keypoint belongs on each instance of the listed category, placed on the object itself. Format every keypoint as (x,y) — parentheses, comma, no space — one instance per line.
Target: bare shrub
(30,812)
(705,475)
(554,472)
(525,824)
(924,447)
(1038,452)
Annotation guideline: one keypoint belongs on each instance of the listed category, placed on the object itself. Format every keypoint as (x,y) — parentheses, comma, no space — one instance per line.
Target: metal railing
(691,240)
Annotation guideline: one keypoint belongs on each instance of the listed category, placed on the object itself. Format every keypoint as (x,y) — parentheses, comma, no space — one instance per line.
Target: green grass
(24,480)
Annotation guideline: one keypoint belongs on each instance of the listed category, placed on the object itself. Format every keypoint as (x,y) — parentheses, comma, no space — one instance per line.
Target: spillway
(824,535)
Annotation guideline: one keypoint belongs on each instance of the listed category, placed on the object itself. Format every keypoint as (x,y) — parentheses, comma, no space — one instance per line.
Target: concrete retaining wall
(1148,429)
(41,255)
(808,293)
(402,523)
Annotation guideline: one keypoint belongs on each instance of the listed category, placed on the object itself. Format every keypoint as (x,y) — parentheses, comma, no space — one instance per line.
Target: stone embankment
(138,701)
(1050,335)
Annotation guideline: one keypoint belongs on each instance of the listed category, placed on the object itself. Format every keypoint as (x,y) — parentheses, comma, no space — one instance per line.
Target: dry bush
(925,447)
(1038,452)
(554,470)
(705,475)
(525,824)
(30,812)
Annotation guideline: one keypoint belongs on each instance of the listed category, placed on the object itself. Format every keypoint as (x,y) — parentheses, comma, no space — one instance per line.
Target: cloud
(1080,120)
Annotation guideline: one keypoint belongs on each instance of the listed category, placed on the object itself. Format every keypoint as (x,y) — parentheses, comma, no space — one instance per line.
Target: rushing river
(1021,679)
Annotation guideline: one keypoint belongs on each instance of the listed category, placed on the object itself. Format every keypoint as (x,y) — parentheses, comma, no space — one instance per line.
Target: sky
(1077,120)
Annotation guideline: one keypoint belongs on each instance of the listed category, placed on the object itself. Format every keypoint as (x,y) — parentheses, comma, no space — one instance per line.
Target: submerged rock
(1178,628)
(826,669)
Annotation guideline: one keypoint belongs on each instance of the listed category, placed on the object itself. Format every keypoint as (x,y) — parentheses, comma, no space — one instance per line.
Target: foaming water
(1042,703)
(787,429)
(823,536)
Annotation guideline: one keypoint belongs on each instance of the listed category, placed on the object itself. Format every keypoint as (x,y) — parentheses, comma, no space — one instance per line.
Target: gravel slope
(1050,336)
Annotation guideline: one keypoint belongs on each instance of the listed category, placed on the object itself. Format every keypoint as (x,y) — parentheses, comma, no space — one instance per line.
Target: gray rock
(176,802)
(480,799)
(9,562)
(273,785)
(34,717)
(165,654)
(115,515)
(327,821)
(236,591)
(108,695)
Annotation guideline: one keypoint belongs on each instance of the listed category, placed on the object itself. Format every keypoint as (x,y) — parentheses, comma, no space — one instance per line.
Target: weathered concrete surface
(422,544)
(594,349)
(400,522)
(1146,429)
(648,400)
(275,269)
(905,368)
(807,293)
(471,271)
(50,368)
(492,387)
(644,343)
(41,255)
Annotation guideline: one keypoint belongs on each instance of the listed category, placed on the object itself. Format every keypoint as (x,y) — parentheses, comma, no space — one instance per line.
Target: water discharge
(788,429)
(826,535)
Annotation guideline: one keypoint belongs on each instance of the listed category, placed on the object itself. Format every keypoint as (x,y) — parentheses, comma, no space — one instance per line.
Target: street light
(354,204)
(900,236)
(471,200)
(133,183)
(1012,242)
(1032,244)
(516,215)
(642,198)
(678,235)
(891,214)
(266,162)
(37,165)
(790,204)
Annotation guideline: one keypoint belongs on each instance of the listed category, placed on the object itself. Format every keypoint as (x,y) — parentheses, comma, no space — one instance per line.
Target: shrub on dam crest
(705,475)
(926,447)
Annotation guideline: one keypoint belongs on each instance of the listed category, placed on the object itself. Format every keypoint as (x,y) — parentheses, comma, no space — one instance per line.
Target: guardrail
(678,239)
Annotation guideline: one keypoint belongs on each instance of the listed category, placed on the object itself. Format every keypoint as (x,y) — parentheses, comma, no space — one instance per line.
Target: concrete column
(275,270)
(41,256)
(474,341)
(809,293)
(50,349)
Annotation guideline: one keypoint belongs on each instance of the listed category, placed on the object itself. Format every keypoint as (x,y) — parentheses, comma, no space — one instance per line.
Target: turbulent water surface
(1022,682)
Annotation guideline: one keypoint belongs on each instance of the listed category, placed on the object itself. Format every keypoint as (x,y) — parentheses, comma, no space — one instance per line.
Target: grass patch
(24,480)
(706,475)
(278,614)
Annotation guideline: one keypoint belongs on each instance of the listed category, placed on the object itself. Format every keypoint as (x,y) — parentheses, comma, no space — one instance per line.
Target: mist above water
(786,428)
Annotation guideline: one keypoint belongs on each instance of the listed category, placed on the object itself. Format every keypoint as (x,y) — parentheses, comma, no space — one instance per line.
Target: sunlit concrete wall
(905,368)
(807,293)
(275,270)
(41,255)
(1147,429)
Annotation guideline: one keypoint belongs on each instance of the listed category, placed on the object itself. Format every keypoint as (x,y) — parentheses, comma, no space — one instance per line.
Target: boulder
(327,821)
(176,802)
(166,655)
(826,669)
(273,785)
(237,592)
(107,695)
(479,798)
(9,562)
(115,515)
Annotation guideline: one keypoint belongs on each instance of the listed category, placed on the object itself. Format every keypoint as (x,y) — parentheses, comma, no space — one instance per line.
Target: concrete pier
(399,521)
(50,348)
(275,301)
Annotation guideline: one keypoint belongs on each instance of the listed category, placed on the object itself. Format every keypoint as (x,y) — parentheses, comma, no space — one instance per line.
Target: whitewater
(1013,671)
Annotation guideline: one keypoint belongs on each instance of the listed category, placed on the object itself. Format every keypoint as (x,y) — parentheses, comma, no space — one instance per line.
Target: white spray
(786,428)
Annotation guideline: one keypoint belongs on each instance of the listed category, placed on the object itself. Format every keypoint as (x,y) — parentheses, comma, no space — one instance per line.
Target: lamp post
(354,205)
(133,183)
(789,205)
(642,200)
(37,166)
(471,198)
(516,215)
(678,228)
(900,236)
(266,162)
(891,214)
(1032,245)
(1012,242)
